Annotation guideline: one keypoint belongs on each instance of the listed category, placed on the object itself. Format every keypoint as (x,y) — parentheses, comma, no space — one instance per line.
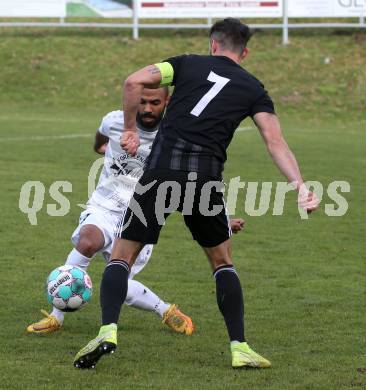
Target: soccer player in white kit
(106,208)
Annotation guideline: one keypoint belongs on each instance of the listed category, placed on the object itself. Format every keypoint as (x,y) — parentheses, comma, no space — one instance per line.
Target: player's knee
(88,247)
(220,260)
(219,255)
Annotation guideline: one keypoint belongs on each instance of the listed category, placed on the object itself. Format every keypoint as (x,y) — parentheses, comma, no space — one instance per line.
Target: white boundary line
(37,119)
(73,136)
(247,128)
(45,137)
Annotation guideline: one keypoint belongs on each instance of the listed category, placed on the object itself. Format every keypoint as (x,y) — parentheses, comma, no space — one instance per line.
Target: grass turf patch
(304,280)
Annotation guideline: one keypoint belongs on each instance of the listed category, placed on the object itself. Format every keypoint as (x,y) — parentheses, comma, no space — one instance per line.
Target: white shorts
(106,222)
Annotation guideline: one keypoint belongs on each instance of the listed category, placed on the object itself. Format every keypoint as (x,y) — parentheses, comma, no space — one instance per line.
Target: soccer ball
(68,288)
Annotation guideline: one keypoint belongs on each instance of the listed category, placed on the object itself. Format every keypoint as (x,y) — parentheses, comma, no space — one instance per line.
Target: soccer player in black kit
(212,95)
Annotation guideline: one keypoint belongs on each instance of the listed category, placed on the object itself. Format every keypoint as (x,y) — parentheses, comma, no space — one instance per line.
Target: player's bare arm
(100,143)
(149,77)
(270,129)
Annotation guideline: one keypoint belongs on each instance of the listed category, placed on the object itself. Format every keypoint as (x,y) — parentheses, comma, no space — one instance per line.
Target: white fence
(282,10)
(33,8)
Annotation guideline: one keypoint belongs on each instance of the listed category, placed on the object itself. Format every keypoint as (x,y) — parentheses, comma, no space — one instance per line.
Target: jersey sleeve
(263,104)
(105,126)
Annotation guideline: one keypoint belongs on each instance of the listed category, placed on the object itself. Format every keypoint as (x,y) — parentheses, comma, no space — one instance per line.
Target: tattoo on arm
(154,70)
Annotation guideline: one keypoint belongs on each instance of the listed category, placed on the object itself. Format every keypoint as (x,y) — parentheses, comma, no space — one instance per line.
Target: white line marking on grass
(247,128)
(38,119)
(72,136)
(46,137)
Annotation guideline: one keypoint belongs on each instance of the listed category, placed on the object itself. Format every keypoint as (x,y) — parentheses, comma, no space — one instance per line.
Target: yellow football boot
(244,357)
(105,342)
(48,324)
(178,321)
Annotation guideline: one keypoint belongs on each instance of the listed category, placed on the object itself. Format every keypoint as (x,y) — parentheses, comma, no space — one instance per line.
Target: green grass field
(304,280)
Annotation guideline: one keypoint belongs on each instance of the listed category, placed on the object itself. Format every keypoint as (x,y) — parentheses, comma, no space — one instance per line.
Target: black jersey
(212,95)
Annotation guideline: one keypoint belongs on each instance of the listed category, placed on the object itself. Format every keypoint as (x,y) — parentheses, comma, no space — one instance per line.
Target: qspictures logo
(242,198)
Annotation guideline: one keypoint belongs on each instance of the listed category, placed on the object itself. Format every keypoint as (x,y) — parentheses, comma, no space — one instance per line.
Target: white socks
(140,297)
(79,260)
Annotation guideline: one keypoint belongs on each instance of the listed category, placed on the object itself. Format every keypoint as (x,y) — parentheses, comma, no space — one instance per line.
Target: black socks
(113,290)
(229,295)
(230,301)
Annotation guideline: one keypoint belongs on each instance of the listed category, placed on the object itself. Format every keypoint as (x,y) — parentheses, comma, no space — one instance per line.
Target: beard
(149,125)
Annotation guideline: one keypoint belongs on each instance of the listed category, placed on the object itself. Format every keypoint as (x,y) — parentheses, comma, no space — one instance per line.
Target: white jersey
(121,171)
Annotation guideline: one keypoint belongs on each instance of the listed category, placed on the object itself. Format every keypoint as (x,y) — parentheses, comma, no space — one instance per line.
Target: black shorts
(161,192)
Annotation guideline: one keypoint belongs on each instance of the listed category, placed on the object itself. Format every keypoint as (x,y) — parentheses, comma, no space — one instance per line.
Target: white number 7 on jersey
(220,83)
